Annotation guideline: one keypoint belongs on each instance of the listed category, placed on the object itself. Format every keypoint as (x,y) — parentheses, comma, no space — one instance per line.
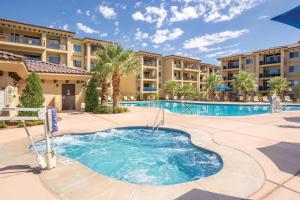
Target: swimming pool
(137,155)
(211,109)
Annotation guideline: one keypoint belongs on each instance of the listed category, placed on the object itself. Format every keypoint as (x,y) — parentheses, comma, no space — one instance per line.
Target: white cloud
(65,27)
(164,35)
(86,29)
(185,14)
(88,13)
(116,23)
(139,35)
(153,14)
(102,35)
(107,12)
(79,11)
(168,47)
(223,53)
(263,17)
(138,4)
(204,42)
(144,44)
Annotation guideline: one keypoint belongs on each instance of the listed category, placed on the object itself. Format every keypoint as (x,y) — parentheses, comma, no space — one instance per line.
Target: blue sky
(205,29)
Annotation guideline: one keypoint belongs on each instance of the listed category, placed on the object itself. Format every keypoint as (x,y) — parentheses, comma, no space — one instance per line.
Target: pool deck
(261,159)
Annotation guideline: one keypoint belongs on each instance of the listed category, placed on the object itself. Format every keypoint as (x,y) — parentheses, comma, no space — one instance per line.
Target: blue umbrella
(150,89)
(222,87)
(291,17)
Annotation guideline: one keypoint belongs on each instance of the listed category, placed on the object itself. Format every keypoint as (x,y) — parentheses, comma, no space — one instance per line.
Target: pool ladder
(161,122)
(187,107)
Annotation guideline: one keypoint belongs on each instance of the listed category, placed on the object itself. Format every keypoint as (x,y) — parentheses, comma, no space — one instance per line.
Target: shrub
(110,110)
(91,99)
(2,124)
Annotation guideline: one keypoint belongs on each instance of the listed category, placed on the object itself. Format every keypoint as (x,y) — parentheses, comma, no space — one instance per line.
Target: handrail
(162,122)
(183,103)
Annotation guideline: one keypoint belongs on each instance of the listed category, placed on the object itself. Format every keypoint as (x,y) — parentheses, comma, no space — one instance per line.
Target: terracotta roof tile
(10,56)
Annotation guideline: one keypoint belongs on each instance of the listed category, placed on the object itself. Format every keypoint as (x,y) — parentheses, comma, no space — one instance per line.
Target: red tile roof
(42,67)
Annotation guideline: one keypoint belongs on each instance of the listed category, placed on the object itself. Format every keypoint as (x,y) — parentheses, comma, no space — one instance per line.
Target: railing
(147,76)
(191,66)
(20,39)
(177,66)
(268,75)
(187,107)
(189,79)
(59,47)
(271,60)
(161,123)
(151,64)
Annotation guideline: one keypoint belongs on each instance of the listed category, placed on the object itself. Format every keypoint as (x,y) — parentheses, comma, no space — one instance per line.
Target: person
(272,102)
(277,104)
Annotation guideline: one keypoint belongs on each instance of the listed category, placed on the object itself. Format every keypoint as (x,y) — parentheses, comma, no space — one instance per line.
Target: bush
(2,124)
(91,99)
(32,96)
(109,110)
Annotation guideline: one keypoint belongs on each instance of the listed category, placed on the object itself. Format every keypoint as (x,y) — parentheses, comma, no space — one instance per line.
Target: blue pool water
(137,155)
(211,109)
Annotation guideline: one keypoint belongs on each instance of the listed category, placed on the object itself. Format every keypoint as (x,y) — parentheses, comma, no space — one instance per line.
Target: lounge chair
(167,97)
(241,98)
(287,99)
(265,99)
(182,98)
(249,98)
(255,99)
(125,98)
(175,98)
(82,106)
(109,99)
(132,98)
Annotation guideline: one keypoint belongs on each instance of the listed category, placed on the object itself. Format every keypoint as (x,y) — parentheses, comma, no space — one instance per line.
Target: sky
(204,29)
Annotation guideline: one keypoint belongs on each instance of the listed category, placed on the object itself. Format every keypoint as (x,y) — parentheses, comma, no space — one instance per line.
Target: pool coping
(76,181)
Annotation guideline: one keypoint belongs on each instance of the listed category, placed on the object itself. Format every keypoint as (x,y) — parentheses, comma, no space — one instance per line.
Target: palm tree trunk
(245,96)
(116,89)
(104,93)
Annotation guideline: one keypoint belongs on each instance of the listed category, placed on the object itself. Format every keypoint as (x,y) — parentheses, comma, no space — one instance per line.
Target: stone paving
(267,144)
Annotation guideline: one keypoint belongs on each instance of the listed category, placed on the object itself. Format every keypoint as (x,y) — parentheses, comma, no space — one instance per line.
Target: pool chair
(265,99)
(249,98)
(132,98)
(255,99)
(175,98)
(125,98)
(109,99)
(182,98)
(82,107)
(287,99)
(167,97)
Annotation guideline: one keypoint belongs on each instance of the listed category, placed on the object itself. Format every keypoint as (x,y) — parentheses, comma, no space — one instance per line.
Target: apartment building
(48,44)
(265,64)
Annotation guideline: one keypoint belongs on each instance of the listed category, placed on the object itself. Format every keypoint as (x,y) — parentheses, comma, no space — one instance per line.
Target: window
(249,61)
(294,54)
(294,83)
(293,69)
(77,63)
(32,40)
(15,38)
(33,57)
(54,59)
(53,43)
(77,47)
(159,74)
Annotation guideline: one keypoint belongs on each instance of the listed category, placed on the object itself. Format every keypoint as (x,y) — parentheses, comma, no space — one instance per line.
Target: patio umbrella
(291,17)
(222,88)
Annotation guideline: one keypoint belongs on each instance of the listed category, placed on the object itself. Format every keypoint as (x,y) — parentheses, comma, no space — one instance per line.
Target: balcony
(177,66)
(148,76)
(177,78)
(230,78)
(269,75)
(263,88)
(191,66)
(270,60)
(21,39)
(189,79)
(61,47)
(150,64)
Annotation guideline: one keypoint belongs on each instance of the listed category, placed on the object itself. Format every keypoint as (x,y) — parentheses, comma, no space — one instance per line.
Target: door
(1,98)
(68,96)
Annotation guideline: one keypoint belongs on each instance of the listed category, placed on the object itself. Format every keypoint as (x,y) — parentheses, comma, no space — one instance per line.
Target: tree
(102,73)
(278,85)
(119,62)
(212,81)
(244,82)
(32,96)
(91,99)
(172,87)
(188,91)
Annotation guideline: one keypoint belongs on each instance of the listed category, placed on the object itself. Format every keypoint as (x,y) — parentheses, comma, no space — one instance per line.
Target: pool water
(137,155)
(211,109)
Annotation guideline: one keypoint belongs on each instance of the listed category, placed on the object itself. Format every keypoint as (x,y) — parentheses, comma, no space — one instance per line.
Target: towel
(54,120)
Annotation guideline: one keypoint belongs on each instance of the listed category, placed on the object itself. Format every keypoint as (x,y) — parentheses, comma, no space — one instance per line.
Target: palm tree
(172,87)
(278,85)
(102,73)
(188,91)
(244,82)
(118,62)
(212,81)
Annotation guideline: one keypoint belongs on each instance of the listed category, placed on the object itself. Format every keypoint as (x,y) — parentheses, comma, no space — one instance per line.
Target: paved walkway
(271,140)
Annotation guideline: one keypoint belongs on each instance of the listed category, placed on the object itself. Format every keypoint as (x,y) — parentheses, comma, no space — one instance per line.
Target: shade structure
(291,17)
(150,89)
(222,87)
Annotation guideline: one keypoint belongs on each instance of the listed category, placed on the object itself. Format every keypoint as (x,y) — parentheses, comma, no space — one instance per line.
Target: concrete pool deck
(263,151)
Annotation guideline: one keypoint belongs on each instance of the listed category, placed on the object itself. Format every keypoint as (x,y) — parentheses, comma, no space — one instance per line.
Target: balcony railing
(263,88)
(177,78)
(20,39)
(191,66)
(268,75)
(270,60)
(147,76)
(59,47)
(189,79)
(151,64)
(177,66)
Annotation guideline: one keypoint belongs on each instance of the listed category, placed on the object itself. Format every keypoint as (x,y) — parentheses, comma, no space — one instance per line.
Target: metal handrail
(161,122)
(183,103)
